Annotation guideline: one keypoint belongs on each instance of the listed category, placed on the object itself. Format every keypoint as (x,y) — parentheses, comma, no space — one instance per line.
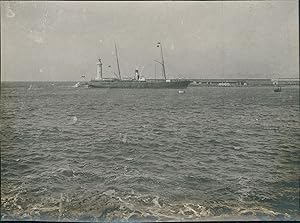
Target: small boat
(77,84)
(278,89)
(181,91)
(82,83)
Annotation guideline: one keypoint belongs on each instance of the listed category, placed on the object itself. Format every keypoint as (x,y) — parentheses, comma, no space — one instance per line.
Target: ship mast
(162,60)
(117,61)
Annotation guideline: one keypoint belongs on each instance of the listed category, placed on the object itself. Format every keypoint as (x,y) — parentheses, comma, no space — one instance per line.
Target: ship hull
(173,84)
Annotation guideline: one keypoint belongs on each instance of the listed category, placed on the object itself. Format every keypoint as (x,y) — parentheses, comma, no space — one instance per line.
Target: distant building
(224,84)
(286,81)
(231,82)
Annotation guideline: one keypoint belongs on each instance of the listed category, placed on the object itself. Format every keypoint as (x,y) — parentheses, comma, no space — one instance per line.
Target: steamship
(137,81)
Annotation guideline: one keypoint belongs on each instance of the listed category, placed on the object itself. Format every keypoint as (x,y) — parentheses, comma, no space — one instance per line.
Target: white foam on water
(109,192)
(155,202)
(259,211)
(123,137)
(74,120)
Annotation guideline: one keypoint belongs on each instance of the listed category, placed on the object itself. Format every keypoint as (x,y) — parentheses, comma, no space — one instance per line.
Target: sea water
(212,153)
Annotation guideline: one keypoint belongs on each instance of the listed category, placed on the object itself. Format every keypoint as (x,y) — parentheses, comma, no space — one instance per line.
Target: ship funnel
(99,70)
(137,76)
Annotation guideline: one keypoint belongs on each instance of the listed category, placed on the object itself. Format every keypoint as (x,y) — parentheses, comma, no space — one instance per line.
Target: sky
(62,40)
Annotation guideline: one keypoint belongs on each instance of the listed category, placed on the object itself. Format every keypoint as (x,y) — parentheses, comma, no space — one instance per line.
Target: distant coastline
(215,82)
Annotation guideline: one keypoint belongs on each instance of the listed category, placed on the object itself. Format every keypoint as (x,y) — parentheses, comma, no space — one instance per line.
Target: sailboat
(137,81)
